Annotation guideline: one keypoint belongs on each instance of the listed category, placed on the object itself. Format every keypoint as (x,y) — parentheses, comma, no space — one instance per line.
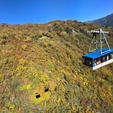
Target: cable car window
(107,58)
(88,61)
(103,59)
(97,61)
(111,55)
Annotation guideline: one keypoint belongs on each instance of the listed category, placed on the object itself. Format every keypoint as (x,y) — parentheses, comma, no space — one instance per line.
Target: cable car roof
(96,54)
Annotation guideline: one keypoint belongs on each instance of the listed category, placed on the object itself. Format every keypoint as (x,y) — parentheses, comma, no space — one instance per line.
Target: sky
(42,11)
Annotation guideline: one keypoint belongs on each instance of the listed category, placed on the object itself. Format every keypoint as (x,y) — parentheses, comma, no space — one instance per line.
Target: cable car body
(100,57)
(97,60)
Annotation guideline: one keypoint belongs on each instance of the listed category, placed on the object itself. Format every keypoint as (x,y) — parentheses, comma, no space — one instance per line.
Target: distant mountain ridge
(107,21)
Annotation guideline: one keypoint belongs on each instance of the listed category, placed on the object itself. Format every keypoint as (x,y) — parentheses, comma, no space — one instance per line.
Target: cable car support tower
(102,39)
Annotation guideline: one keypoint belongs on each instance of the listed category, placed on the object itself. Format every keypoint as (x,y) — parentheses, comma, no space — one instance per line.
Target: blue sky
(42,11)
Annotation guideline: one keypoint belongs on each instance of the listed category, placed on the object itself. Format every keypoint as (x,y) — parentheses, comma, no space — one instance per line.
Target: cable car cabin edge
(100,57)
(97,60)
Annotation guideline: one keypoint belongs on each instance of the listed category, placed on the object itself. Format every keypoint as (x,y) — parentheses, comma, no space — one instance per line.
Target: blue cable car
(99,57)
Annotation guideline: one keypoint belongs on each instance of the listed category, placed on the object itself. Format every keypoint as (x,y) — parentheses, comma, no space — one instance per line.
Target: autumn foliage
(41,70)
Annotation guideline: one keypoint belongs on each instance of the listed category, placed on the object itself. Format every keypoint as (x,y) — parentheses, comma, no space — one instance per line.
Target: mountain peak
(107,20)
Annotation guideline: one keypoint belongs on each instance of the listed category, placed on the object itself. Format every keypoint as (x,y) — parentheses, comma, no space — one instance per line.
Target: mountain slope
(107,21)
(41,70)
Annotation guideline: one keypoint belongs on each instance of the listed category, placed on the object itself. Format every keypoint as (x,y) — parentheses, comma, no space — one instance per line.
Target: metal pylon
(102,38)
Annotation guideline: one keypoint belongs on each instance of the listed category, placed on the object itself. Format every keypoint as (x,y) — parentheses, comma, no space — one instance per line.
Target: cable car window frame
(106,58)
(88,61)
(111,55)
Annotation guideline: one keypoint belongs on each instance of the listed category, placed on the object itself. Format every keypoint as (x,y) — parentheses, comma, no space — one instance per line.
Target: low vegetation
(41,70)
